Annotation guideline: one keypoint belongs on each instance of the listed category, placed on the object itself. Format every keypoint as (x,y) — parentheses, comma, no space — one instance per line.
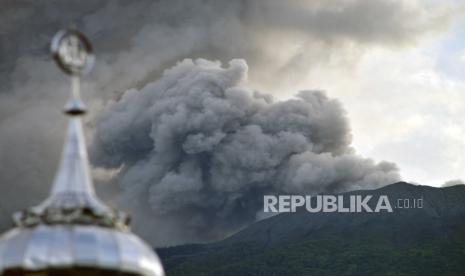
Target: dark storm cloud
(136,40)
(197,143)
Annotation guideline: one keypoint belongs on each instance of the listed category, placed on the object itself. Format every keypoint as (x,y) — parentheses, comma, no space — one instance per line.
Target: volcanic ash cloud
(196,144)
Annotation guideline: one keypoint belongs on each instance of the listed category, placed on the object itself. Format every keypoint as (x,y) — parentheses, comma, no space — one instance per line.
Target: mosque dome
(72,232)
(75,249)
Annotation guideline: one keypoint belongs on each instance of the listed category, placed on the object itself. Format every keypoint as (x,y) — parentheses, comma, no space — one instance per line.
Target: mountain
(414,241)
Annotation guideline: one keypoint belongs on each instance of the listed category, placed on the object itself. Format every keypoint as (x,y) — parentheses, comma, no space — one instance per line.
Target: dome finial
(72,198)
(72,52)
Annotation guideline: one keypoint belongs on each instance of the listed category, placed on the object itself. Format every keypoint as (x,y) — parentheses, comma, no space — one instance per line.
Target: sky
(416,96)
(395,67)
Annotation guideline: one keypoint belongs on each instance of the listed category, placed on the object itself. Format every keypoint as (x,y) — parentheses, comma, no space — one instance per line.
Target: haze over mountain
(421,241)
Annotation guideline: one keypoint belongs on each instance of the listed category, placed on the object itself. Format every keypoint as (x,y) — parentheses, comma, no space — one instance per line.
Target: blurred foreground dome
(72,232)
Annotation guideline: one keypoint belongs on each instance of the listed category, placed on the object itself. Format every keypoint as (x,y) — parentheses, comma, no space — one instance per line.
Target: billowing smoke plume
(195,142)
(452,182)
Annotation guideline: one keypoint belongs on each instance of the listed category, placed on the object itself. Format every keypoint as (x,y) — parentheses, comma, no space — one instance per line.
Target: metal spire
(73,54)
(72,198)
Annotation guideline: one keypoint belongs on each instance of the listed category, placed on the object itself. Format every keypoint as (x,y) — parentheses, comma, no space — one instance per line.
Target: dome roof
(66,246)
(72,229)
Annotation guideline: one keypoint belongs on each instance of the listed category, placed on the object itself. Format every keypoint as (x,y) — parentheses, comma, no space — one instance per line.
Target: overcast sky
(407,106)
(396,67)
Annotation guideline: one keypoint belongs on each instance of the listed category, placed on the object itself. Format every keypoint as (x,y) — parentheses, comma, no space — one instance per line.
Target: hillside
(422,241)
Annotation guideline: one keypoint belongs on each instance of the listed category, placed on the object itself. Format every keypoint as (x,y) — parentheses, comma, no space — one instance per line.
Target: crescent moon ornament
(72,52)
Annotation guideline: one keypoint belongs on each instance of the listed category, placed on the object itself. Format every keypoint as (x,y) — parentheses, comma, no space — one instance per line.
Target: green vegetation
(328,257)
(424,241)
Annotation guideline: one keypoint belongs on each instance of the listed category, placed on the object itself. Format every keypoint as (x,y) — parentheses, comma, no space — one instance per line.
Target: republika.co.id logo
(338,203)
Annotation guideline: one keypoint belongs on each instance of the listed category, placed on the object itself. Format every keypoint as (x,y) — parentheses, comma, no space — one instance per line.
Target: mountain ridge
(436,230)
